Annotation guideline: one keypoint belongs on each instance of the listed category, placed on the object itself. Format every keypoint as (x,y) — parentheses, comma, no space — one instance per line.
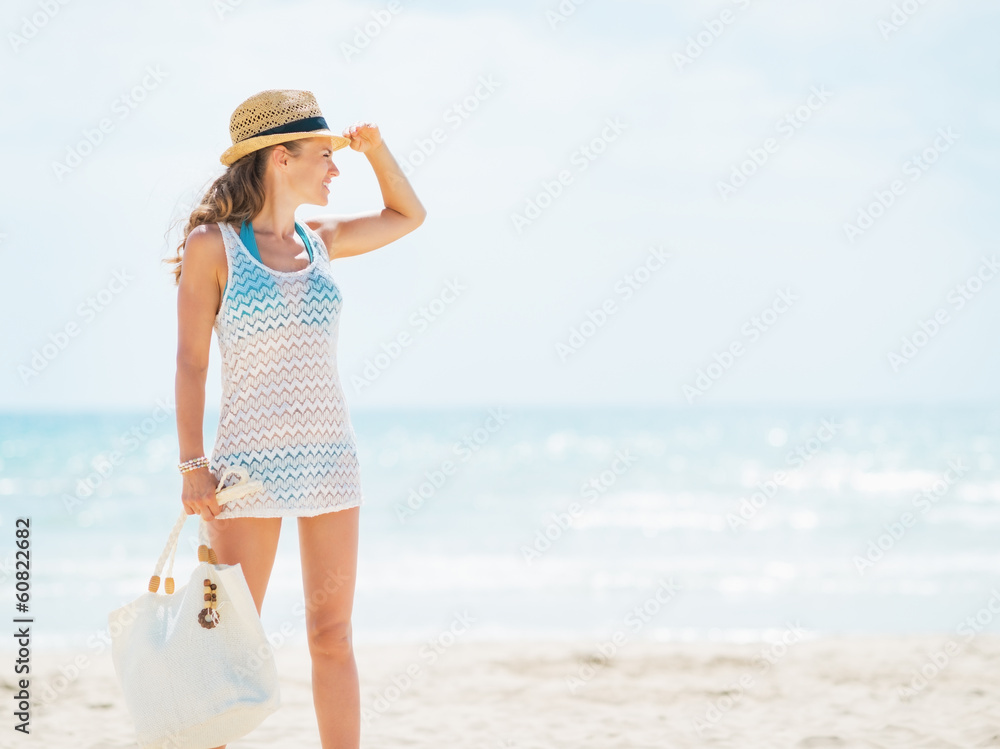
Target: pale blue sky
(654,182)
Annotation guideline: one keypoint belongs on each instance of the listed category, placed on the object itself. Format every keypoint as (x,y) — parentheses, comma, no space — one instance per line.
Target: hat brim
(241,149)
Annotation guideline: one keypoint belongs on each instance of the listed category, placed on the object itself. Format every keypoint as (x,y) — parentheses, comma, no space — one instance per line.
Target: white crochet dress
(283,415)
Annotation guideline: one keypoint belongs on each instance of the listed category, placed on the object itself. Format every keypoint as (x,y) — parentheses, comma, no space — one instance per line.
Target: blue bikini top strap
(305,239)
(247,237)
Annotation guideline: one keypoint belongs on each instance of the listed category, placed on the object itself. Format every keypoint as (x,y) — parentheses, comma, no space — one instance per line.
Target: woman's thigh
(251,542)
(328,546)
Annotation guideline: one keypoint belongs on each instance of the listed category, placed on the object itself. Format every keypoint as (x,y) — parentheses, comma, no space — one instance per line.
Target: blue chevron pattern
(283,415)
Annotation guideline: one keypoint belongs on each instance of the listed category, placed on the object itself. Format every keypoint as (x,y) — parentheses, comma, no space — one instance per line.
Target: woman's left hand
(364,136)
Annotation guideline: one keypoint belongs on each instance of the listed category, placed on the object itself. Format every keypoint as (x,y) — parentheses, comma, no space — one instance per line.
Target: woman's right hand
(198,493)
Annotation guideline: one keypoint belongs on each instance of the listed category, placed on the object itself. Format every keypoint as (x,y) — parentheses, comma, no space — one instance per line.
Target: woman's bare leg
(251,542)
(328,545)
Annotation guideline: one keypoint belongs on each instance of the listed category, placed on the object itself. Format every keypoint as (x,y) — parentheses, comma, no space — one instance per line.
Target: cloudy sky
(638,202)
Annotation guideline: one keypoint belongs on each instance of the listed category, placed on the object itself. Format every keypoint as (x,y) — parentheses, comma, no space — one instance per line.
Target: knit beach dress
(283,415)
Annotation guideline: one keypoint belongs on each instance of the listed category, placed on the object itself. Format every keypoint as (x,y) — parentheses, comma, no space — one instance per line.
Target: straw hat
(276,116)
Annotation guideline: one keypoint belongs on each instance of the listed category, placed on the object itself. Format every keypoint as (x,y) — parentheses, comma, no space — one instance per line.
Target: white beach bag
(196,672)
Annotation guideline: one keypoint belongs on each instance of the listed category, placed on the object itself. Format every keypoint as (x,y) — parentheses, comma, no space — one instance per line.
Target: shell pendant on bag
(208,617)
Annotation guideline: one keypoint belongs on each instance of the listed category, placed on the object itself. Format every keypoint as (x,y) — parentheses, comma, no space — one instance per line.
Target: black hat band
(296,126)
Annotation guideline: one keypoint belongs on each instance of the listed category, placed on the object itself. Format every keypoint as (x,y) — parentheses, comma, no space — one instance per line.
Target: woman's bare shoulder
(205,240)
(205,250)
(205,235)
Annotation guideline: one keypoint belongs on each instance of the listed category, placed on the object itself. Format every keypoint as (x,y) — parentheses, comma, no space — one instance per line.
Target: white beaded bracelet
(190,465)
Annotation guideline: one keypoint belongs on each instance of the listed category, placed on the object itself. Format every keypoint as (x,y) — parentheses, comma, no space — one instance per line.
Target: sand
(825,692)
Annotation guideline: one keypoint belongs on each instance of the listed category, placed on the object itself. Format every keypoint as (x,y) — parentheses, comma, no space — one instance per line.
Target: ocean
(719,523)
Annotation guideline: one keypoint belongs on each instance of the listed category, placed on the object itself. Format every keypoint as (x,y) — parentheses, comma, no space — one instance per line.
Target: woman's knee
(331,640)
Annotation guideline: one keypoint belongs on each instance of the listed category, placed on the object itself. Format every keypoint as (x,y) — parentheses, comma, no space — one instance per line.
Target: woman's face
(313,170)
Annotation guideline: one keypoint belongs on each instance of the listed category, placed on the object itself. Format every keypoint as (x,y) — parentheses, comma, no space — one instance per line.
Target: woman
(262,280)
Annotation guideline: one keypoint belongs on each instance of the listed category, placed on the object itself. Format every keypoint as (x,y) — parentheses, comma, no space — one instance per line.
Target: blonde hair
(236,195)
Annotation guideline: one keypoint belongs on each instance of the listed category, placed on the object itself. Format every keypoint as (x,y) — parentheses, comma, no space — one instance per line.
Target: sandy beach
(823,692)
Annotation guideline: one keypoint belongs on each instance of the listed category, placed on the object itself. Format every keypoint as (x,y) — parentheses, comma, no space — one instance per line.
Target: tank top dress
(283,416)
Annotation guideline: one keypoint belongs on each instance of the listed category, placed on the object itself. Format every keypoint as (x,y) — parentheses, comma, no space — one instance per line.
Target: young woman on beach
(263,281)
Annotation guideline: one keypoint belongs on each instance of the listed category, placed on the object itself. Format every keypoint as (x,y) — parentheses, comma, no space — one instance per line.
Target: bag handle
(242,486)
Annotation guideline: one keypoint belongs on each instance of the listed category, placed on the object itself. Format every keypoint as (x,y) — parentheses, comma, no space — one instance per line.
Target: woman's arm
(363,232)
(198,298)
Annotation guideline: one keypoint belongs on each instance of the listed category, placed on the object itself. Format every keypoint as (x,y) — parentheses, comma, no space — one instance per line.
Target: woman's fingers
(208,508)
(353,129)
